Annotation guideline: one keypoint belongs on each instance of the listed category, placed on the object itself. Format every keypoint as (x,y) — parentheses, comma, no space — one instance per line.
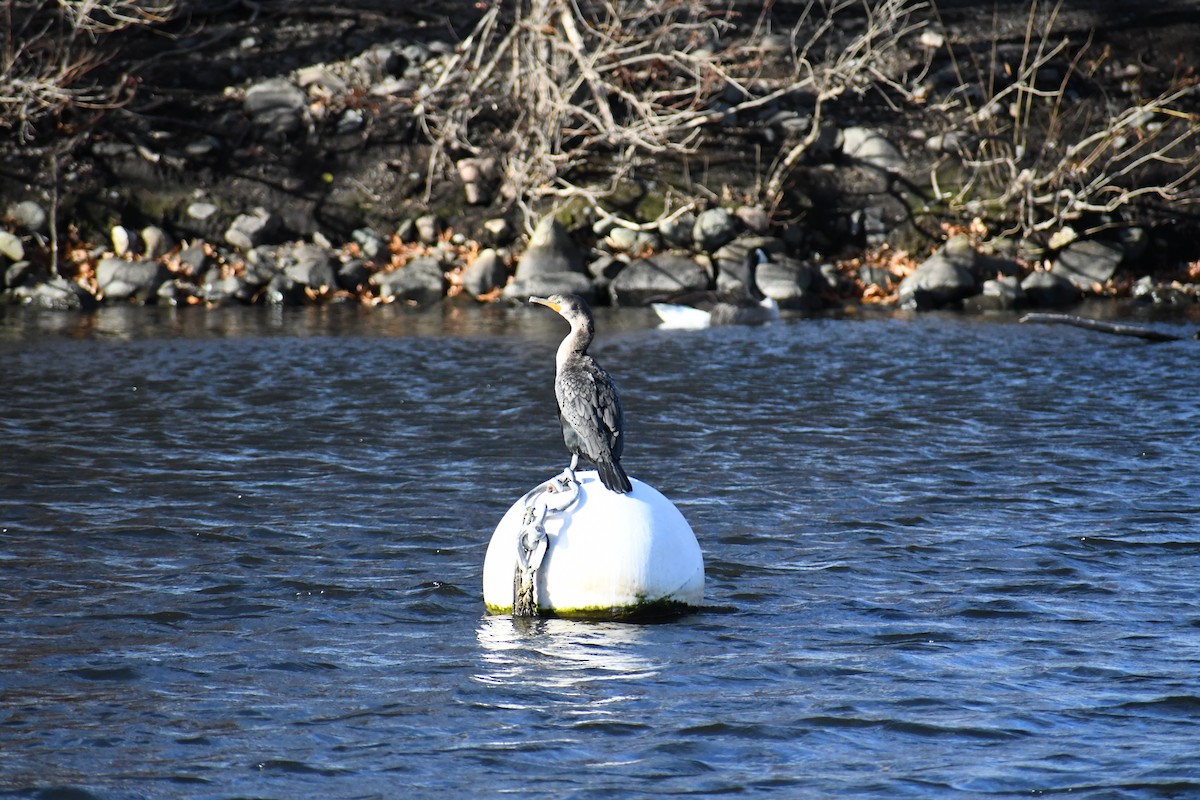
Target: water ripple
(945,558)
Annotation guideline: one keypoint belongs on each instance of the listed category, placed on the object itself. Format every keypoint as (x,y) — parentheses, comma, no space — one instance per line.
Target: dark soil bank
(270,152)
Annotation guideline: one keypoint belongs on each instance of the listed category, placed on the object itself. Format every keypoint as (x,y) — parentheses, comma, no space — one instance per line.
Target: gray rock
(421,281)
(22,273)
(201,211)
(1044,289)
(869,147)
(11,247)
(203,147)
(282,290)
(56,294)
(28,216)
(178,293)
(678,232)
(521,289)
(1087,262)
(429,227)
(125,241)
(406,231)
(714,228)
(952,142)
(479,178)
(263,263)
(661,274)
(276,105)
(381,61)
(755,218)
(370,243)
(551,251)
(499,231)
(120,279)
(998,294)
(156,242)
(353,275)
(217,289)
(621,240)
(311,266)
(942,280)
(252,230)
(196,258)
(604,268)
(791,283)
(485,274)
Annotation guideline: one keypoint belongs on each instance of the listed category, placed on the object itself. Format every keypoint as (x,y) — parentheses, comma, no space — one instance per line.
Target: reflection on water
(946,557)
(559,654)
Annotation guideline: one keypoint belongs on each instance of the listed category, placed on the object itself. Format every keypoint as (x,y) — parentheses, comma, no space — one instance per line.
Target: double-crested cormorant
(704,308)
(588,406)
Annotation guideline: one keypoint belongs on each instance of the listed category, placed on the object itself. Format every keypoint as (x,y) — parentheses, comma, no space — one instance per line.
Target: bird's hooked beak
(547,302)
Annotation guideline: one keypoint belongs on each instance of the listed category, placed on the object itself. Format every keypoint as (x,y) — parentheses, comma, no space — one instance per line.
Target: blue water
(946,558)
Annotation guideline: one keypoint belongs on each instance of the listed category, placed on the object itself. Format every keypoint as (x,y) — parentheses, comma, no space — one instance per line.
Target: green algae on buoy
(605,556)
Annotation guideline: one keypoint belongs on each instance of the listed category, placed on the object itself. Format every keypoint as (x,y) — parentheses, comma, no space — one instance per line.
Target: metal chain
(554,496)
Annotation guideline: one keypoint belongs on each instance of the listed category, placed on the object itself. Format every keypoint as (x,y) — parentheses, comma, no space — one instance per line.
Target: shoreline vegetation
(917,155)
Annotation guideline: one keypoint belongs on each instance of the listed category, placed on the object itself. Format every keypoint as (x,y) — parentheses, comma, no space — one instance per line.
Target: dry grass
(1040,158)
(577,95)
(50,50)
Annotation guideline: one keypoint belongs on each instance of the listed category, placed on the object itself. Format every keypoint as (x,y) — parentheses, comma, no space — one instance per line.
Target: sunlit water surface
(945,557)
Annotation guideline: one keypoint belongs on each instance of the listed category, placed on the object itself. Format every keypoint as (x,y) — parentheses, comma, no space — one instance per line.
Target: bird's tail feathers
(613,477)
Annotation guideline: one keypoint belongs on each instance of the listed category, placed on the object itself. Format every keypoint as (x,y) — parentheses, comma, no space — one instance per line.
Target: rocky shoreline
(305,187)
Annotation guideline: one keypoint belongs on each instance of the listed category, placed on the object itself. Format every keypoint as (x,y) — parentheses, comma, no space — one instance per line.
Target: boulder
(369,243)
(22,273)
(11,247)
(551,251)
(1088,262)
(421,281)
(714,228)
(353,275)
(156,242)
(126,241)
(429,228)
(521,289)
(942,280)
(56,294)
(791,283)
(998,294)
(311,266)
(498,231)
(277,105)
(485,274)
(195,258)
(28,216)
(1047,290)
(217,289)
(177,292)
(662,274)
(281,290)
(251,230)
(119,279)
(871,148)
(677,232)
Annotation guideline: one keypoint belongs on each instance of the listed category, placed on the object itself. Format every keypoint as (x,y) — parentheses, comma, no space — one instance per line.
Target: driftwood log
(1116,328)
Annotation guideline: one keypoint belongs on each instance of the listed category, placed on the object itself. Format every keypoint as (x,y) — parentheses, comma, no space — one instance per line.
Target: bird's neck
(576,342)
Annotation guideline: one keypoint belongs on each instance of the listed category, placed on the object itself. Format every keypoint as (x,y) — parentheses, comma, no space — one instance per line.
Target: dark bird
(588,406)
(700,309)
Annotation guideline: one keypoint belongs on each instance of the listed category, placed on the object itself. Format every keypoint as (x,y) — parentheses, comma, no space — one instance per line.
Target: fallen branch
(1115,328)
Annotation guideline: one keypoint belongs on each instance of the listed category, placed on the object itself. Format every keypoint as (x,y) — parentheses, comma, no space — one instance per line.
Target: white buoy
(608,556)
